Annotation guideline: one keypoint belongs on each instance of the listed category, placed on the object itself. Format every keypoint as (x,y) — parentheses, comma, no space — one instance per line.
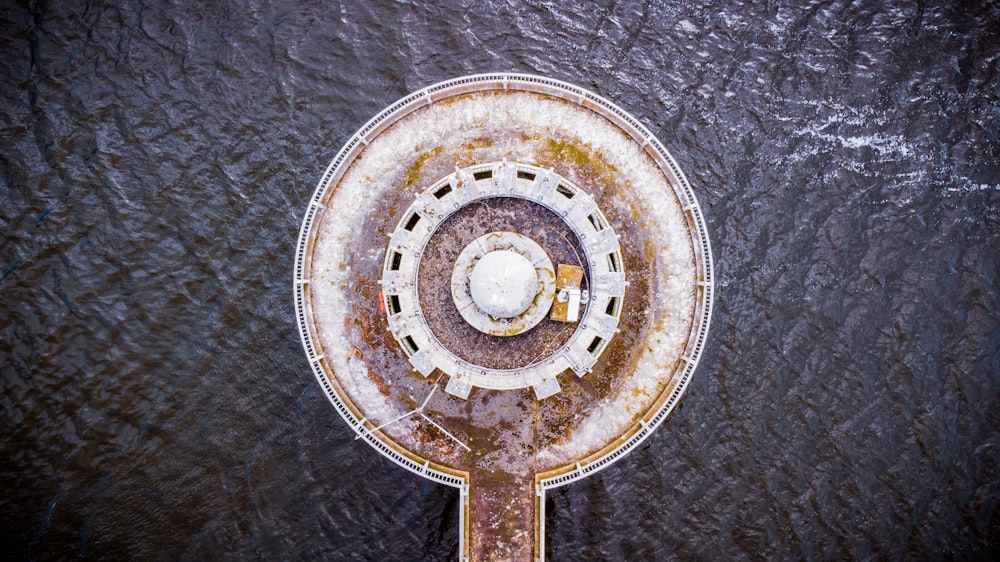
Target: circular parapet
(503,283)
(497,181)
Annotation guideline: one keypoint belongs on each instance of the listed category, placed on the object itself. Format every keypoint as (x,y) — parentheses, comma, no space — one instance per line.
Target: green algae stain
(580,157)
(570,153)
(413,174)
(478,142)
(470,151)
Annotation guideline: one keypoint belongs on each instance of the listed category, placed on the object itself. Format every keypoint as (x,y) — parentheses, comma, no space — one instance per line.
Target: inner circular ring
(472,219)
(514,197)
(496,314)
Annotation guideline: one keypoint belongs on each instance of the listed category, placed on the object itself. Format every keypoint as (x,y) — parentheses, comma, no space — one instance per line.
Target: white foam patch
(971,187)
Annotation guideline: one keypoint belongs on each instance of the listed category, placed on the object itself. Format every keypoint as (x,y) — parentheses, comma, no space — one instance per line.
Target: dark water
(155,161)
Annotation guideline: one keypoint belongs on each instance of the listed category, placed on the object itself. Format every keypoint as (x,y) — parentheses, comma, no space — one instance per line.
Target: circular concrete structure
(523,278)
(503,417)
(424,241)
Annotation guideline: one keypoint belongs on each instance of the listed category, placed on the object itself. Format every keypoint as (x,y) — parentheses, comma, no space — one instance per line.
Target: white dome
(503,284)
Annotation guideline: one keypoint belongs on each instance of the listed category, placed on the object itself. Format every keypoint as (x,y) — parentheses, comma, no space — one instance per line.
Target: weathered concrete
(506,440)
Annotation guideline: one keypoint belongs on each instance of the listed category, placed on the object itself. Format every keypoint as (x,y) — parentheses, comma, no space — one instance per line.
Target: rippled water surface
(155,162)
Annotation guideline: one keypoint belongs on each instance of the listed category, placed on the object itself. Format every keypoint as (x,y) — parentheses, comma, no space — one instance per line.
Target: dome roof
(503,284)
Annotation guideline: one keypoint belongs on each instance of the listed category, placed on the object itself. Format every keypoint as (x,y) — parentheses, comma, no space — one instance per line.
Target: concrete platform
(503,448)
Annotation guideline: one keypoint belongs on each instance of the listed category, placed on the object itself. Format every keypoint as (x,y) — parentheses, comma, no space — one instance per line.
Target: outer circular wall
(665,372)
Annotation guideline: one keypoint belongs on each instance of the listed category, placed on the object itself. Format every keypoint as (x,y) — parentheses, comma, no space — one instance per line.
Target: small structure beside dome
(569,295)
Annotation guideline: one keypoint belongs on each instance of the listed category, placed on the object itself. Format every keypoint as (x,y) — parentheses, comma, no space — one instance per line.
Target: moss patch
(568,152)
(413,174)
(577,160)
(478,142)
